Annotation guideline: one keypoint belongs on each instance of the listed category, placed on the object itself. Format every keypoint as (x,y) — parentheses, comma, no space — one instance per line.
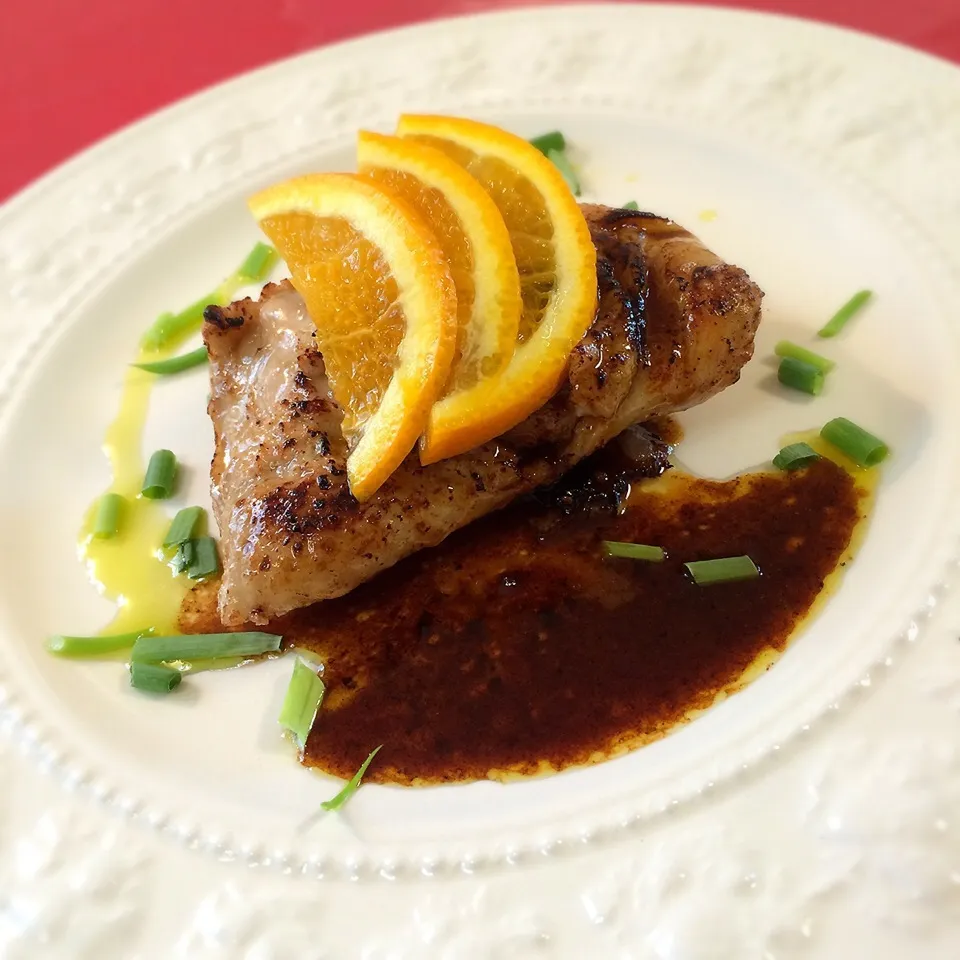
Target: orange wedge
(556,261)
(380,292)
(474,238)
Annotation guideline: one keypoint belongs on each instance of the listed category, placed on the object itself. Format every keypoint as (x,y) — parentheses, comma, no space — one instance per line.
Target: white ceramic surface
(811,815)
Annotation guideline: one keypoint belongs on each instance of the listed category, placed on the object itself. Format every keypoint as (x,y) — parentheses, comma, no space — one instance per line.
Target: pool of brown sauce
(516,647)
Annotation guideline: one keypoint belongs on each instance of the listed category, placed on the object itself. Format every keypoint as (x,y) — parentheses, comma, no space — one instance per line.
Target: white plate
(810,815)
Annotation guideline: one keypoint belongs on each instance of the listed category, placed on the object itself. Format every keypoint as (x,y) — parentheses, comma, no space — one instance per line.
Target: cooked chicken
(674,326)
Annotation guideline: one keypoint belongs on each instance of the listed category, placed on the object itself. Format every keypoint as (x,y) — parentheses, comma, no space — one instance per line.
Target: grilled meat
(674,326)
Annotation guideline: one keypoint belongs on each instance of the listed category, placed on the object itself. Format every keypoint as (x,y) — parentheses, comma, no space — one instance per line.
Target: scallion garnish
(631,205)
(562,162)
(554,140)
(184,526)
(839,320)
(64,646)
(204,646)
(259,263)
(633,551)
(860,446)
(785,348)
(153,677)
(794,456)
(352,784)
(800,376)
(205,561)
(169,328)
(185,361)
(302,701)
(106,524)
(202,666)
(160,476)
(723,570)
(183,557)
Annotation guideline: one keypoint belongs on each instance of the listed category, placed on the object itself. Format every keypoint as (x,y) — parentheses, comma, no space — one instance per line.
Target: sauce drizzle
(517,648)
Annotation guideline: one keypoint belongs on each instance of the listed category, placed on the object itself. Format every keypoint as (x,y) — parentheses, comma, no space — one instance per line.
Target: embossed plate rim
(208,100)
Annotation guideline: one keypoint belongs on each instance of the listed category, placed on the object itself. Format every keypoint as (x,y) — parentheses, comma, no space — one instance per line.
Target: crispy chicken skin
(674,326)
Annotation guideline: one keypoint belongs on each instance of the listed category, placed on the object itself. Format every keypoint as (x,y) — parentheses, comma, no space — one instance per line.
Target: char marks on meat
(674,326)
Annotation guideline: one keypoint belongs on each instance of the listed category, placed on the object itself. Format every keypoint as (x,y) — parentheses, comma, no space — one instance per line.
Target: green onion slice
(183,558)
(184,526)
(170,328)
(302,701)
(801,376)
(204,646)
(159,478)
(258,264)
(633,551)
(153,678)
(724,570)
(786,348)
(554,140)
(631,205)
(185,361)
(562,162)
(839,320)
(106,524)
(206,664)
(860,446)
(352,784)
(64,646)
(205,561)
(794,456)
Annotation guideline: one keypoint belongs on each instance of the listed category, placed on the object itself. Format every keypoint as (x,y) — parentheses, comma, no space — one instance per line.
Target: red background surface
(73,71)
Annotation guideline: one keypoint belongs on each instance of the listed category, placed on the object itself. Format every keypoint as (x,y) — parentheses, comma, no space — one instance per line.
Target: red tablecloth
(72,71)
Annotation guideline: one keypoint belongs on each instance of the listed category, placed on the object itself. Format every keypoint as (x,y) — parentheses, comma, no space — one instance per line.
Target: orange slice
(474,238)
(380,292)
(556,260)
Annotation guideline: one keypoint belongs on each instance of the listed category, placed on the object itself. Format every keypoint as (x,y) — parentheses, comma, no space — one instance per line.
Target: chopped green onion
(859,445)
(183,558)
(794,456)
(207,663)
(787,349)
(352,784)
(631,205)
(724,570)
(633,551)
(184,526)
(206,560)
(64,646)
(839,320)
(562,162)
(259,263)
(153,678)
(159,478)
(303,700)
(546,142)
(204,646)
(106,524)
(185,361)
(801,376)
(169,328)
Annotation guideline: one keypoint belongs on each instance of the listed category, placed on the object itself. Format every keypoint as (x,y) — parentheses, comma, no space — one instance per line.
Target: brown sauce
(516,647)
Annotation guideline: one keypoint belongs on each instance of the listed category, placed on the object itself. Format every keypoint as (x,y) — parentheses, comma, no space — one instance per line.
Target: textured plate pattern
(796,859)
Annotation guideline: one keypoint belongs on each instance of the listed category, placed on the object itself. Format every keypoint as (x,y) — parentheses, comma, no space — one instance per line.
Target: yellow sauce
(130,568)
(708,215)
